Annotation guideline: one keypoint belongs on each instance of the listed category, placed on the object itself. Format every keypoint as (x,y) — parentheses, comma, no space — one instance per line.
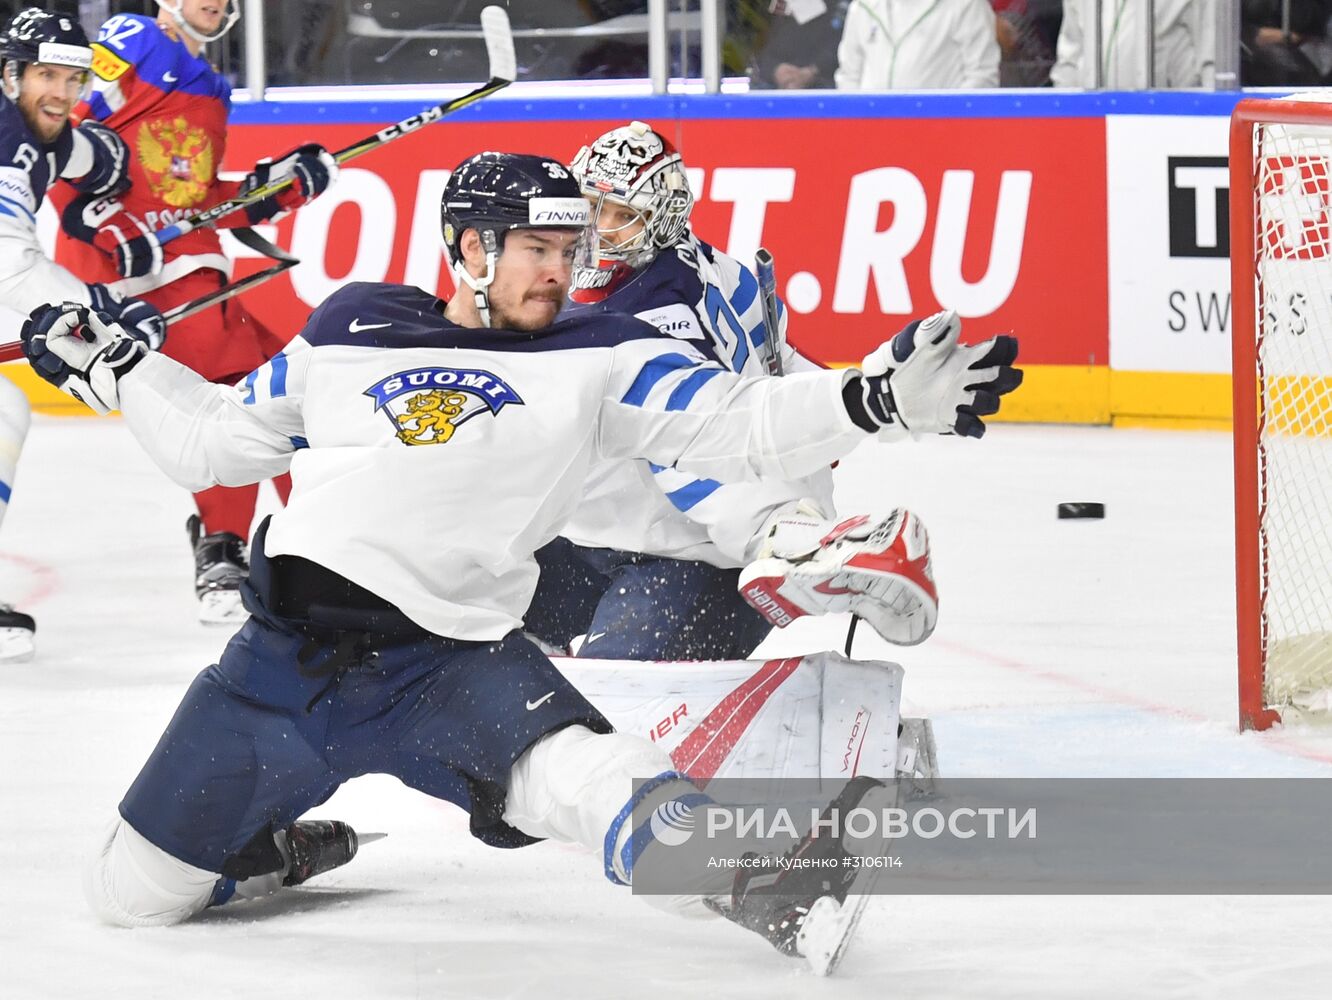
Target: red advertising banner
(872,221)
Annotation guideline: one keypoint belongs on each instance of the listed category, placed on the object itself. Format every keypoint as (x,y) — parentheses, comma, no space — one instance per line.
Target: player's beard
(502,319)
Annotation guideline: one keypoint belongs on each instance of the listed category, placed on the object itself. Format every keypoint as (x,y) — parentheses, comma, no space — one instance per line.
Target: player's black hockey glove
(80,352)
(924,382)
(313,169)
(109,173)
(139,318)
(120,234)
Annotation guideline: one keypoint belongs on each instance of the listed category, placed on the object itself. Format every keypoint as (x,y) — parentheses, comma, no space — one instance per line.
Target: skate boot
(17,636)
(807,903)
(315,846)
(219,568)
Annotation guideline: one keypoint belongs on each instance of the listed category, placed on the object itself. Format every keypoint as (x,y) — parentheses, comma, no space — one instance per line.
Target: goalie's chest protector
(171,109)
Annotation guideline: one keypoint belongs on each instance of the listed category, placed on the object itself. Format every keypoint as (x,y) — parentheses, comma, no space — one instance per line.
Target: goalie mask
(35,36)
(633,168)
(231,14)
(494,193)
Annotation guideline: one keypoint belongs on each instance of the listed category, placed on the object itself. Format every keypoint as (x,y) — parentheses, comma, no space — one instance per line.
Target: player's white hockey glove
(924,382)
(118,233)
(876,568)
(139,318)
(81,353)
(313,168)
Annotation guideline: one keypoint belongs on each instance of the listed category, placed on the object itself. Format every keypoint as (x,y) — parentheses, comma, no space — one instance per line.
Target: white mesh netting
(1292,174)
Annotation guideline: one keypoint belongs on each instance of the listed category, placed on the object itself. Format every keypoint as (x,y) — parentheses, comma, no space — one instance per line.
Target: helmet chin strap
(178,15)
(10,84)
(481,284)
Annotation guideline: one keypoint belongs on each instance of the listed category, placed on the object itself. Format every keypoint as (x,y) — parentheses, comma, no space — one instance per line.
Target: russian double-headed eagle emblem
(177,158)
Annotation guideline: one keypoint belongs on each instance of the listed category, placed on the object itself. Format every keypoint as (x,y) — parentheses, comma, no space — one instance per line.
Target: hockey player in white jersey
(44,67)
(650,565)
(433,447)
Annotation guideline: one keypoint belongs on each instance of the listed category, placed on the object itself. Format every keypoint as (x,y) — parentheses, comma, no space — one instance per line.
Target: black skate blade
(369,838)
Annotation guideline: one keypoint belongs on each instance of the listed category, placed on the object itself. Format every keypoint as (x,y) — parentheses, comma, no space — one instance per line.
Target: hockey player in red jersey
(154,86)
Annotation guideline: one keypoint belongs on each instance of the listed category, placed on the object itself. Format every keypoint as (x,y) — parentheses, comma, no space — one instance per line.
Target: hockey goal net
(1281,273)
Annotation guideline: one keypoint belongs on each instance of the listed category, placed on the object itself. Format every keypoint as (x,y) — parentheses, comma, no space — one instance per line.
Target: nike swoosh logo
(170,78)
(594,636)
(540,701)
(356,326)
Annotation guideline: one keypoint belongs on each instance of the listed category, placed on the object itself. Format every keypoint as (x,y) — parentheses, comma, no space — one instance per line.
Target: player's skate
(219,568)
(806,910)
(18,633)
(876,568)
(315,846)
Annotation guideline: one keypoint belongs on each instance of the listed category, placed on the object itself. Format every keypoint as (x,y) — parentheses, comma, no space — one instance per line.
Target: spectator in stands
(1184,51)
(1284,43)
(1027,30)
(925,44)
(800,50)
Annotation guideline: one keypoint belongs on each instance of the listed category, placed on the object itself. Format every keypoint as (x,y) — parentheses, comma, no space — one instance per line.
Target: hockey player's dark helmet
(34,35)
(496,192)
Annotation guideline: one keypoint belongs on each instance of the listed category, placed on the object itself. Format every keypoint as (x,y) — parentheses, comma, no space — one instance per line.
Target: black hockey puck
(1081,510)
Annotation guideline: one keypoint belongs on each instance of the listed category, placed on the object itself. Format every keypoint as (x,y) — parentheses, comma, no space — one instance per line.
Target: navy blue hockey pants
(640,607)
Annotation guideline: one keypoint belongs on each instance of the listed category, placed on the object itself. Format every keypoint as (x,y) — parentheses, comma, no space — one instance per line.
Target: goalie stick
(251,239)
(767,280)
(764,266)
(503,68)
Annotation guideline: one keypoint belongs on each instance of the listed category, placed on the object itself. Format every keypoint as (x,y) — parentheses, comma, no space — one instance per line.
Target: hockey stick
(767,279)
(251,239)
(503,68)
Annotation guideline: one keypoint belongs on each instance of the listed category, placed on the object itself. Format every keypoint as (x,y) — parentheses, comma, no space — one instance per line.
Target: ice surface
(1070,648)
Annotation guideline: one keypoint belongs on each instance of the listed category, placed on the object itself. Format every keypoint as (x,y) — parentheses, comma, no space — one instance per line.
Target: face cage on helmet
(639,249)
(11,80)
(178,15)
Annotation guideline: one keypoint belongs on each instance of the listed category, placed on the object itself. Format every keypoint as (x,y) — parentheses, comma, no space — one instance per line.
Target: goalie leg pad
(878,569)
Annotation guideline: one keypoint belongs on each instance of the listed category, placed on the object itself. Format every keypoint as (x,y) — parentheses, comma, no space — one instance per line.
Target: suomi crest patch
(426,405)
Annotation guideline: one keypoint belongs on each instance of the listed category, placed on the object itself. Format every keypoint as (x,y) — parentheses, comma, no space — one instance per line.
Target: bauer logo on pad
(426,405)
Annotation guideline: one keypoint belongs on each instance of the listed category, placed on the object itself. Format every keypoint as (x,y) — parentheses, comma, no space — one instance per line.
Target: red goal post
(1281,287)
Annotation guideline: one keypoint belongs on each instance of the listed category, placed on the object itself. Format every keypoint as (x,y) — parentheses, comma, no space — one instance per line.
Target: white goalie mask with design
(635,167)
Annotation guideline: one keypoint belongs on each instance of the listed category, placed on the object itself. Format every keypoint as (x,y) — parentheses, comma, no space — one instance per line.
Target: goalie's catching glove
(80,352)
(924,382)
(876,568)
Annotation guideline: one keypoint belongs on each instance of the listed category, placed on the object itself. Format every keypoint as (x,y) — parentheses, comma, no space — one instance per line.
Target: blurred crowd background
(873,45)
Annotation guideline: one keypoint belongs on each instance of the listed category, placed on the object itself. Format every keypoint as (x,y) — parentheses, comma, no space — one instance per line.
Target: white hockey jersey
(430,461)
(700,295)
